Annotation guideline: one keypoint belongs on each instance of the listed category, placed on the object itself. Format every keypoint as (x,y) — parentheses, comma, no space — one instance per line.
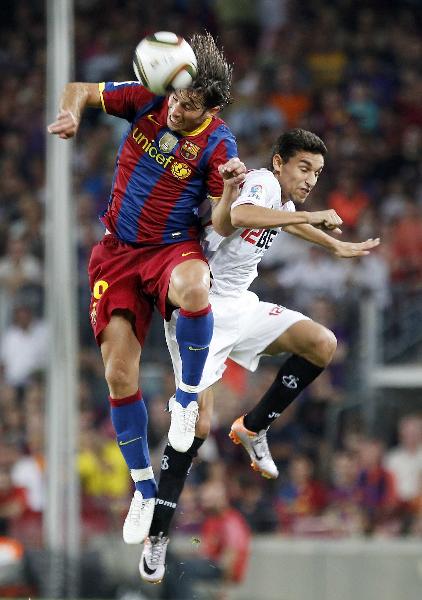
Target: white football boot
(256,445)
(182,426)
(138,520)
(152,565)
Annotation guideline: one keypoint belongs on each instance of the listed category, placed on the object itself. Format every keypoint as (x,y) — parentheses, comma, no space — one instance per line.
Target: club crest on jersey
(189,151)
(255,192)
(180,170)
(167,142)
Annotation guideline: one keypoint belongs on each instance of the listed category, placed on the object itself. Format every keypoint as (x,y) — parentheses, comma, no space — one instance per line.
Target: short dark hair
(214,78)
(298,140)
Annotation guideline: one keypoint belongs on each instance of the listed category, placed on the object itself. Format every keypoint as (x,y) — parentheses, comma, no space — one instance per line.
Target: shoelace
(189,418)
(136,507)
(157,550)
(260,444)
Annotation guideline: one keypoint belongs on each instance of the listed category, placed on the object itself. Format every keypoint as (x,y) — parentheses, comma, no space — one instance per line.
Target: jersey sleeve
(224,151)
(257,189)
(124,99)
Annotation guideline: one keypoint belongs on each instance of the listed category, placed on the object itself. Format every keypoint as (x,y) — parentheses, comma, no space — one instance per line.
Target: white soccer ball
(164,62)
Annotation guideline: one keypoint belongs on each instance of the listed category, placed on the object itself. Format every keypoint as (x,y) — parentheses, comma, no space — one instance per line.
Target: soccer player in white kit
(246,328)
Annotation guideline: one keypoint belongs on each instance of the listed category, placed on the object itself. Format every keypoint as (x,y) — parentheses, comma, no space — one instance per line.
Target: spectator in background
(376,489)
(344,517)
(104,480)
(23,346)
(221,552)
(302,496)
(255,505)
(28,472)
(349,200)
(406,246)
(405,460)
(18,267)
(13,502)
(20,274)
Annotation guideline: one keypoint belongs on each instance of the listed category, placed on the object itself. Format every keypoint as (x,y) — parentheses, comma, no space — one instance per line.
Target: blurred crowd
(349,71)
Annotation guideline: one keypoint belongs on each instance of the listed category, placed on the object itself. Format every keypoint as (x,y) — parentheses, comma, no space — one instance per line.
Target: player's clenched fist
(233,171)
(65,125)
(325,219)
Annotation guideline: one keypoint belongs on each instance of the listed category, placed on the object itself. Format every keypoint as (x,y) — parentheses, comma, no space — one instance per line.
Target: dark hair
(298,140)
(214,78)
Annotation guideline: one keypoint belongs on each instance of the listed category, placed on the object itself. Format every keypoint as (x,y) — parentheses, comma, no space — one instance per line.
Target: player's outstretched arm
(337,247)
(75,97)
(233,173)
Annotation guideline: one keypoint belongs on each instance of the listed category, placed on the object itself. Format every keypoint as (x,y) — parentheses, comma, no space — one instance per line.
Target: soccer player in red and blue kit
(166,166)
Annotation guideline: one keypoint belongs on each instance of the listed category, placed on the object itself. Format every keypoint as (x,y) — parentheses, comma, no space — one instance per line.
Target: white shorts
(243,328)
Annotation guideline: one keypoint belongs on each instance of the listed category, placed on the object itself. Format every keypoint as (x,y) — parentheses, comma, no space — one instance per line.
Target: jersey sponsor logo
(189,151)
(130,441)
(165,503)
(191,252)
(276,310)
(180,170)
(167,142)
(149,148)
(261,238)
(290,381)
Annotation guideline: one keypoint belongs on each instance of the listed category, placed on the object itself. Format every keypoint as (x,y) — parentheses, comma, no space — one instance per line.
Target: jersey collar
(199,129)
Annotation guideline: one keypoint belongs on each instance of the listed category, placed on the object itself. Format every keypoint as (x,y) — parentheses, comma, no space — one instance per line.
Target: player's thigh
(118,341)
(265,325)
(301,338)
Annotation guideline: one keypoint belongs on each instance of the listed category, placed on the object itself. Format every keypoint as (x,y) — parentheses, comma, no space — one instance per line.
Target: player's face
(186,111)
(298,175)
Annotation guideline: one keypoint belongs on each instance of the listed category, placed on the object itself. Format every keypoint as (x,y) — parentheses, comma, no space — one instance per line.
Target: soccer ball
(164,62)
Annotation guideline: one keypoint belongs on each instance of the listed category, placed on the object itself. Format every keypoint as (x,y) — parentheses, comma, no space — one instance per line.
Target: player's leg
(121,353)
(175,467)
(276,330)
(189,289)
(312,347)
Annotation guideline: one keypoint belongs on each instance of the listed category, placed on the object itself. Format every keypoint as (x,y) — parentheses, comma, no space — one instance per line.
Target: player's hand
(233,171)
(352,249)
(65,125)
(327,220)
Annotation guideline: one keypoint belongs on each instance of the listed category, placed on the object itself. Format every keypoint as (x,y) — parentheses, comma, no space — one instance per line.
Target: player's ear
(277,163)
(211,112)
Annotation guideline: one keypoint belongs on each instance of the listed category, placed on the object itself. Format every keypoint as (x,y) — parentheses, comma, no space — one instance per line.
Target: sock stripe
(116,402)
(195,315)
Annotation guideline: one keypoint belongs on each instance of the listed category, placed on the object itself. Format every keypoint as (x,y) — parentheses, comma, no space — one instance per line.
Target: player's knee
(194,296)
(324,345)
(119,376)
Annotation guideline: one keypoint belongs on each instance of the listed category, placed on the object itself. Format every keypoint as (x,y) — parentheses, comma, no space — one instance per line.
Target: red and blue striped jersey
(161,177)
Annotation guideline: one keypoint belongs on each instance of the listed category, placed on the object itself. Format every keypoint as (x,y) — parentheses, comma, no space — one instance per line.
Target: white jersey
(243,327)
(234,260)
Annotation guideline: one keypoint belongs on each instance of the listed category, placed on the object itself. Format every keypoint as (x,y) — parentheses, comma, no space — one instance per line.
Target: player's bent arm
(314,235)
(337,247)
(233,173)
(75,97)
(221,219)
(252,216)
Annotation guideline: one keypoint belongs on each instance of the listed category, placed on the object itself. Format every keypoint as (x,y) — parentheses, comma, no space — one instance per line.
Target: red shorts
(122,276)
